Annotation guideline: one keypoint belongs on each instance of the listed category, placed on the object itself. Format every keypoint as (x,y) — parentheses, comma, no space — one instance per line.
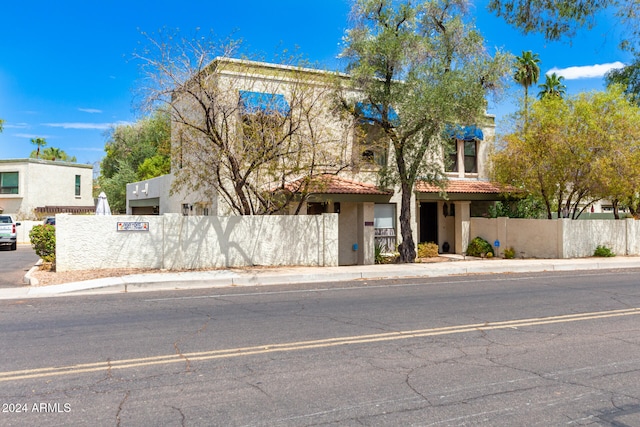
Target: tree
(562,18)
(617,177)
(418,67)
(1,124)
(628,77)
(128,148)
(39,142)
(115,186)
(527,74)
(245,151)
(574,152)
(552,86)
(54,154)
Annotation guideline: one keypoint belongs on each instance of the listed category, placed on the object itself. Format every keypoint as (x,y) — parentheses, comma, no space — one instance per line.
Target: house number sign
(133,226)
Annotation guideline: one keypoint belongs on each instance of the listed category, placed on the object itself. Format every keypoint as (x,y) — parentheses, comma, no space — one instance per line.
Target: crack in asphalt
(182,417)
(176,344)
(120,406)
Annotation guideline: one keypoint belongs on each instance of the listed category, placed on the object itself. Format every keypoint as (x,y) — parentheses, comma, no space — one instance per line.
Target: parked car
(8,232)
(50,220)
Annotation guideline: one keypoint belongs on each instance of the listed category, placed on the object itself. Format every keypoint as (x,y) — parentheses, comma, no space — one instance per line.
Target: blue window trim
(260,102)
(465,133)
(372,113)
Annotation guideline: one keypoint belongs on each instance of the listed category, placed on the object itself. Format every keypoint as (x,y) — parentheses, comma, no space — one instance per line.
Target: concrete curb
(301,275)
(28,278)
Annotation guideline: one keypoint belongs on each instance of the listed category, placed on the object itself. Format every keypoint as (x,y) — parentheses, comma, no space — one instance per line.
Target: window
(372,144)
(77,185)
(470,156)
(384,223)
(263,119)
(8,182)
(451,156)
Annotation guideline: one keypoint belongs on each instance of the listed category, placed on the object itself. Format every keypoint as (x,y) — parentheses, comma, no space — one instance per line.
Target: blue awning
(372,113)
(466,133)
(260,102)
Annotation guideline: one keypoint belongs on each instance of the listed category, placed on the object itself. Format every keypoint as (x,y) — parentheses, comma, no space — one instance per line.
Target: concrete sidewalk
(288,275)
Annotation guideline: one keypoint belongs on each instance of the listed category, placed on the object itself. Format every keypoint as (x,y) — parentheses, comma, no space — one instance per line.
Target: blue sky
(67,74)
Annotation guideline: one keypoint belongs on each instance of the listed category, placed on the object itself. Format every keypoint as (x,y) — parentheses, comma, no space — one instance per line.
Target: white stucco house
(368,213)
(34,188)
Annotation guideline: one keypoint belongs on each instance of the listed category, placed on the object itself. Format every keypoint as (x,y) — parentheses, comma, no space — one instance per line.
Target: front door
(429,222)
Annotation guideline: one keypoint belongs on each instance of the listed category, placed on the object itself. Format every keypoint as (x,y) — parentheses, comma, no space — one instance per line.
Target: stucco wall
(177,242)
(564,238)
(46,183)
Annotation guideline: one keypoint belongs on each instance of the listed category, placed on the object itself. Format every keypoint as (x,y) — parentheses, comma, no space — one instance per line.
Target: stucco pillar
(366,234)
(463,223)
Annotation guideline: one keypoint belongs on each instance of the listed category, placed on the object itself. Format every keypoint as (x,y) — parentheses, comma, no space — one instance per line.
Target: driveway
(15,264)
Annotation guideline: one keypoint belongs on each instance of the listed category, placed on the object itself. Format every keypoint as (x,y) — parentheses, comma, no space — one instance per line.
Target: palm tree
(553,86)
(53,153)
(527,73)
(40,142)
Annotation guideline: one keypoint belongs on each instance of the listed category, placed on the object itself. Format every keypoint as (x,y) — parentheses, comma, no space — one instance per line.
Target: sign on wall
(133,226)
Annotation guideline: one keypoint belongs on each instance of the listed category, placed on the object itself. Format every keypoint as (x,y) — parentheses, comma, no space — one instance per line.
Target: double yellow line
(109,366)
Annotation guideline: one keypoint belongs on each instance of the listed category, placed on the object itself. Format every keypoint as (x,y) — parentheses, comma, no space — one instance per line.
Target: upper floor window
(462,148)
(451,156)
(262,119)
(78,185)
(471,156)
(8,182)
(372,144)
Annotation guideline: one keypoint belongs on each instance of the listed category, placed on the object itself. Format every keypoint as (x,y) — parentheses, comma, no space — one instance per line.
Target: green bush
(509,253)
(480,248)
(603,251)
(43,240)
(427,250)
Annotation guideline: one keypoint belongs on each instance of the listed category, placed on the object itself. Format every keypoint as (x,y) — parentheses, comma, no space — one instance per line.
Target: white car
(8,231)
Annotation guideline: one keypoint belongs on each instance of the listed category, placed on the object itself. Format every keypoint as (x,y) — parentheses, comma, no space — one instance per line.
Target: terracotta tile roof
(332,184)
(462,186)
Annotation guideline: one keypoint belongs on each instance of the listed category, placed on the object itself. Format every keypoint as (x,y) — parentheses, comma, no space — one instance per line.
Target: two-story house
(34,188)
(345,181)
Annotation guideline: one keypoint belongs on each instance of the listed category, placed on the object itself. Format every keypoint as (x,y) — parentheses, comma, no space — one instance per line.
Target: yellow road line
(303,345)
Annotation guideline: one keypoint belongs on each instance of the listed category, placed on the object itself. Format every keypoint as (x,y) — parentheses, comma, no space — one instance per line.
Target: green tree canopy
(628,77)
(53,153)
(39,142)
(575,151)
(527,73)
(128,148)
(552,86)
(420,66)
(562,18)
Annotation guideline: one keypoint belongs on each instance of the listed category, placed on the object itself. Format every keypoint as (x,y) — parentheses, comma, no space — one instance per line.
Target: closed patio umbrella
(102,207)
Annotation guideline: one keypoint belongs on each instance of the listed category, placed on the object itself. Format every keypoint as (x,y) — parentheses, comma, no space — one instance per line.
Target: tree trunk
(407,248)
(616,213)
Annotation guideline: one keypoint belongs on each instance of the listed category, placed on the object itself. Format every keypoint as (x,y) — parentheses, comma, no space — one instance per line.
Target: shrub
(43,240)
(509,253)
(479,248)
(378,254)
(427,250)
(603,251)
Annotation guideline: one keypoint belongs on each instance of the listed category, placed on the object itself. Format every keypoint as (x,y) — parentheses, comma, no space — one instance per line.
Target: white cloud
(29,135)
(16,126)
(586,71)
(98,126)
(90,110)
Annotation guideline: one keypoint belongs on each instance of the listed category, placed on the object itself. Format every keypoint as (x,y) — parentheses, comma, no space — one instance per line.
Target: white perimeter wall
(562,238)
(177,242)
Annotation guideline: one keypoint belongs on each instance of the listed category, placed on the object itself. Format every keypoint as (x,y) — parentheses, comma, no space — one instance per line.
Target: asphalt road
(15,264)
(500,350)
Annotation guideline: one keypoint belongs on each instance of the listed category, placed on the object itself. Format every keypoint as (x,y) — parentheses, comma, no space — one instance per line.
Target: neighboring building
(34,188)
(352,191)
